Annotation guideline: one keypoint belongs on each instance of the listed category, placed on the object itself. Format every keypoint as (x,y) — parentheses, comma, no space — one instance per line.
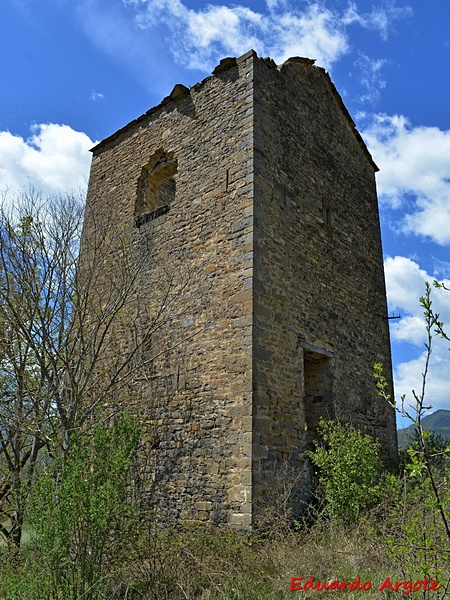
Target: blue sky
(72,72)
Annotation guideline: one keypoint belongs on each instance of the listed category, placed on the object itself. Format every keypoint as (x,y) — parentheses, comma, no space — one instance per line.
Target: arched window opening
(156,188)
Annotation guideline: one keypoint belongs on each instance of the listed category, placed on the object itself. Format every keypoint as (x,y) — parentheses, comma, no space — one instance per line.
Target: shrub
(349,470)
(83,516)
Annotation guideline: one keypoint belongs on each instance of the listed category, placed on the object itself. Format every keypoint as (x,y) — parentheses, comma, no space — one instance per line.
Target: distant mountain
(438,423)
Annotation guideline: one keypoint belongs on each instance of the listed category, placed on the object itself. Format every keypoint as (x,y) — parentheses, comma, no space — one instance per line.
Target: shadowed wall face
(319,291)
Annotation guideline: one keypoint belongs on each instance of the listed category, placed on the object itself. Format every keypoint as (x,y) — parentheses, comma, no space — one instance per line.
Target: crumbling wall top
(180,91)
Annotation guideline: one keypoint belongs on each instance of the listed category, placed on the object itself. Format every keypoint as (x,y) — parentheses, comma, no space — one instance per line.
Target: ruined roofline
(179,91)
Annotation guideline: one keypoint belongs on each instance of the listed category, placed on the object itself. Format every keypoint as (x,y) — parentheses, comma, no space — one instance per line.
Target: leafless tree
(61,313)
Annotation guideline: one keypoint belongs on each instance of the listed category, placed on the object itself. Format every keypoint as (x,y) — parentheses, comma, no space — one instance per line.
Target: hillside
(438,423)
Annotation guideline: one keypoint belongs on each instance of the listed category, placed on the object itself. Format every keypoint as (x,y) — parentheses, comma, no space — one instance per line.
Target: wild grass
(217,564)
(87,539)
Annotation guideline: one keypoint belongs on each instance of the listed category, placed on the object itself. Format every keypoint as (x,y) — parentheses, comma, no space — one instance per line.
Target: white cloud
(441,268)
(371,77)
(409,329)
(199,38)
(317,33)
(97,96)
(381,19)
(54,159)
(414,173)
(409,377)
(405,282)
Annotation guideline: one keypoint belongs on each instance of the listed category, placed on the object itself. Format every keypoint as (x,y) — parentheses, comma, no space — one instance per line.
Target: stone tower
(254,197)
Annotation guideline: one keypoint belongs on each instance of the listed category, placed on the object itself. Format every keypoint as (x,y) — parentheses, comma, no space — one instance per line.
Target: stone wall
(249,203)
(199,254)
(320,317)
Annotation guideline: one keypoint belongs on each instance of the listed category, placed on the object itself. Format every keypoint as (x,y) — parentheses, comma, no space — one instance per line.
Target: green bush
(349,471)
(83,516)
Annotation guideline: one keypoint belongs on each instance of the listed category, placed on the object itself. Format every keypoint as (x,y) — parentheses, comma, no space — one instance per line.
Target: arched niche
(156,187)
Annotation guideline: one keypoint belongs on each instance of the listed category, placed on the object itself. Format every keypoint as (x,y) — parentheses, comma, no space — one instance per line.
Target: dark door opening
(318,392)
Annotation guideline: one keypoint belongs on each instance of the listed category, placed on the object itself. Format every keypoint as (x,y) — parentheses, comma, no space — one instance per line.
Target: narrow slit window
(328,215)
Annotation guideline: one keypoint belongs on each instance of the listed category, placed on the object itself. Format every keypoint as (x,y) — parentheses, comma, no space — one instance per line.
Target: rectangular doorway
(318,381)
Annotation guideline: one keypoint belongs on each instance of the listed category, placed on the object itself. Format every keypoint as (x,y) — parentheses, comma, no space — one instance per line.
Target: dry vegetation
(220,565)
(74,522)
(109,547)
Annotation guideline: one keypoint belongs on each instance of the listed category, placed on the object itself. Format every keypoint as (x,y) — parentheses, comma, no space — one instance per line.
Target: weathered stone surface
(270,253)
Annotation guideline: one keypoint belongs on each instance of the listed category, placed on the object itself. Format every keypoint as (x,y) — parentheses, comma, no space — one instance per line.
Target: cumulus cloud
(198,38)
(410,329)
(414,173)
(54,159)
(405,282)
(409,377)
